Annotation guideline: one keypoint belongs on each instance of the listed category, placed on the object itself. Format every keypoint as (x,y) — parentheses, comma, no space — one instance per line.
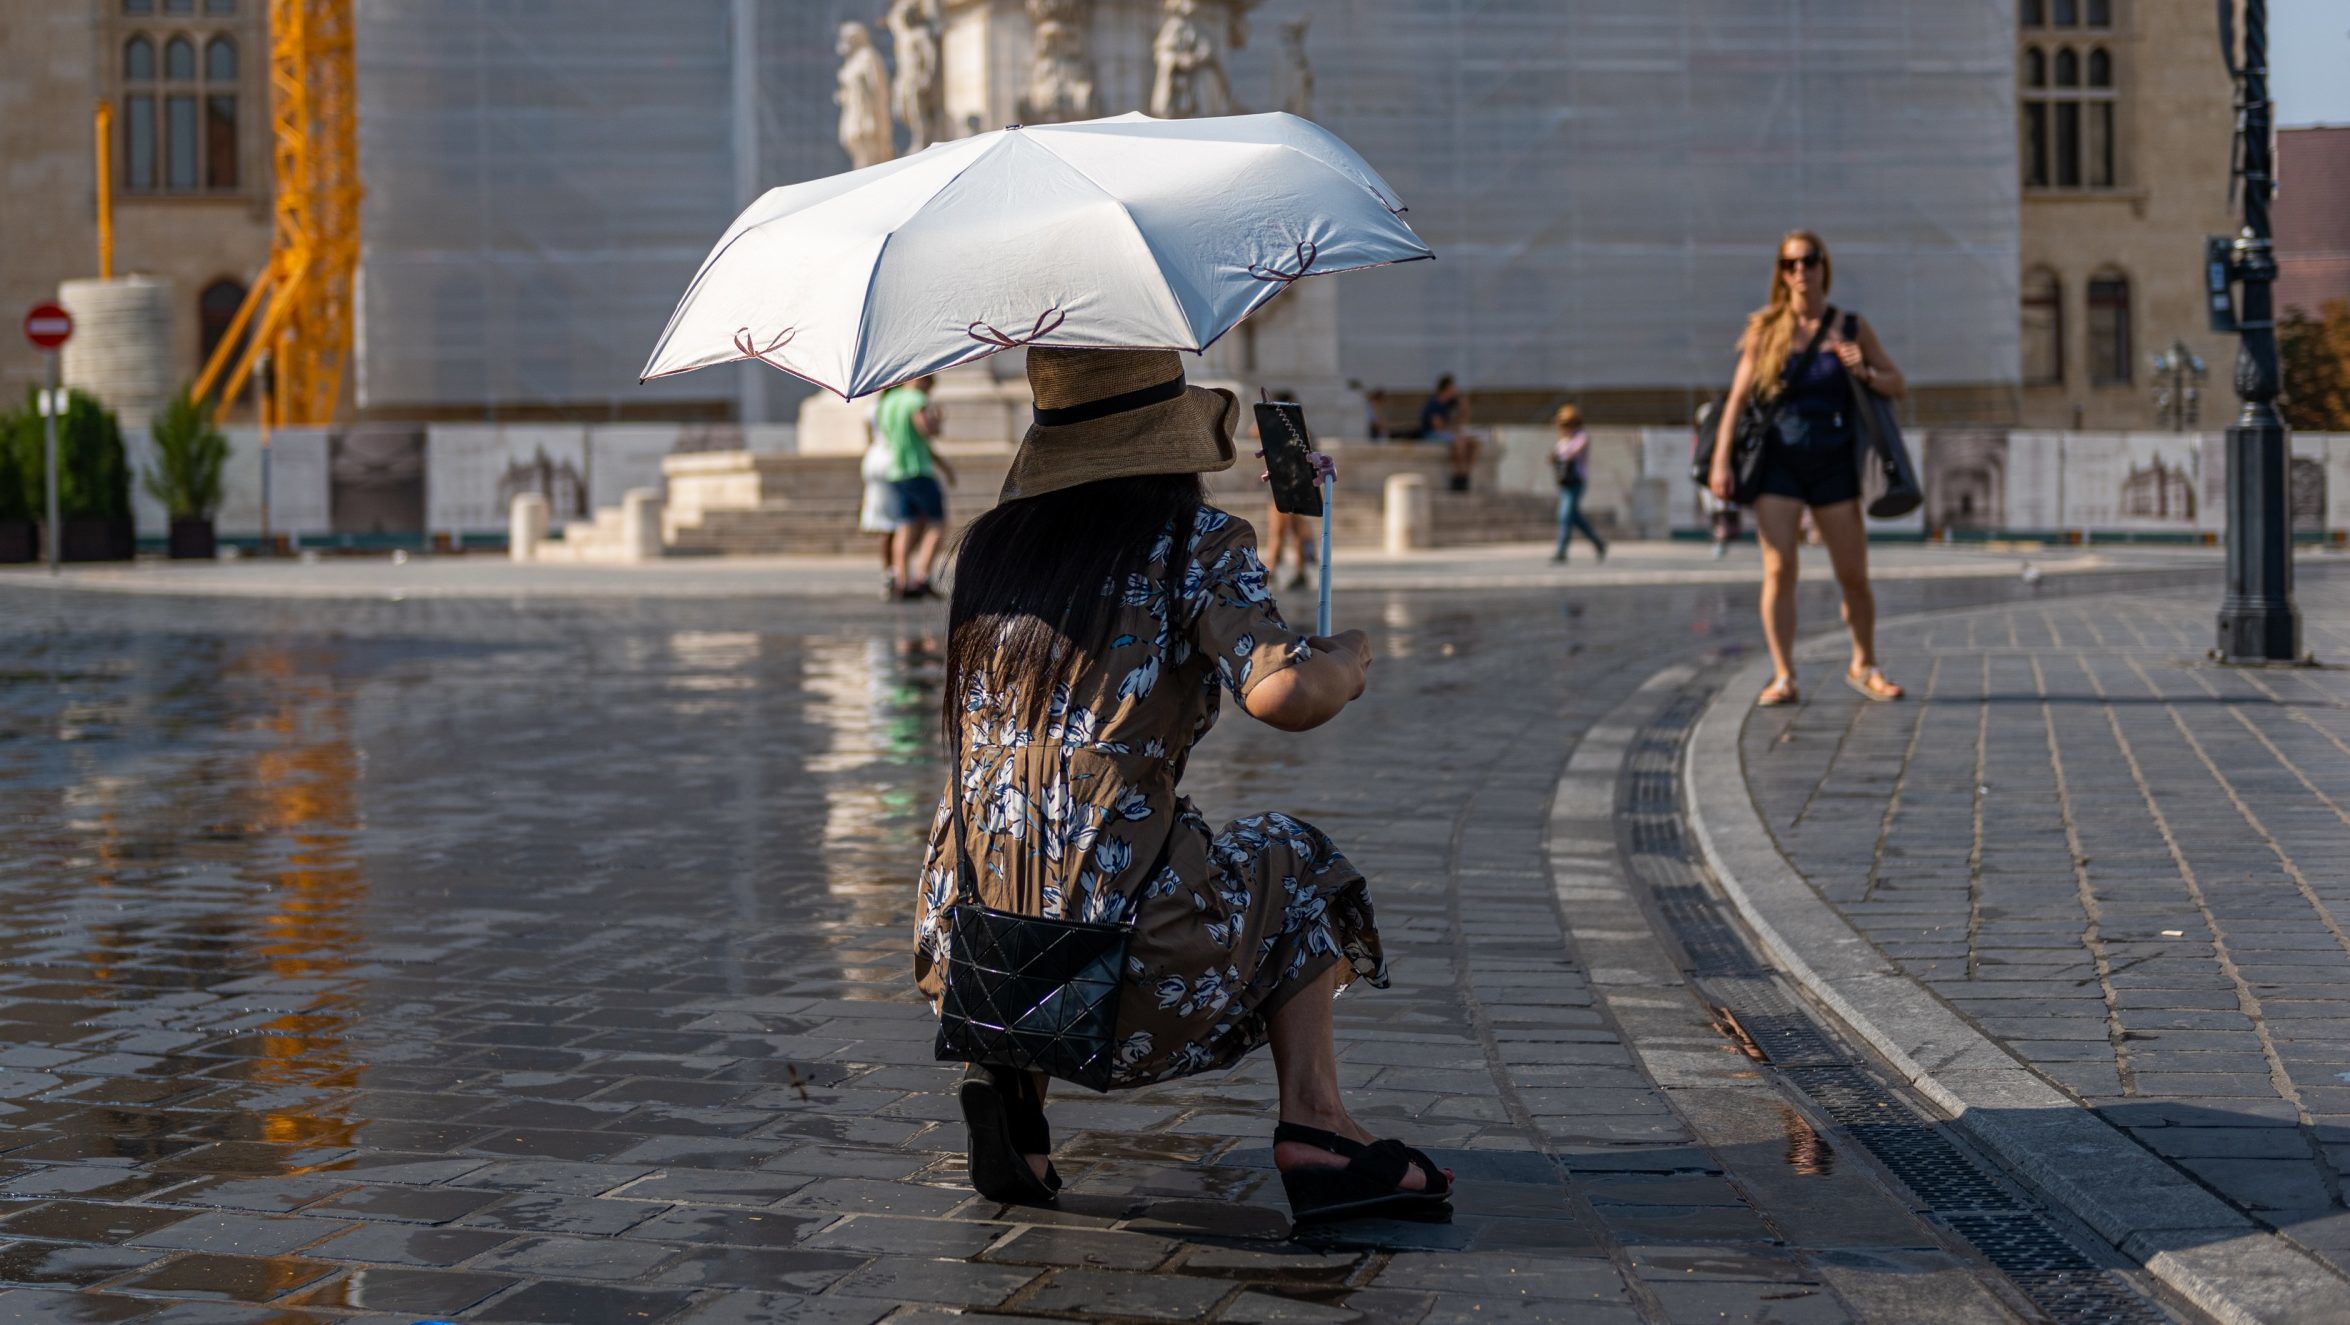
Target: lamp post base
(2257,620)
(2259,636)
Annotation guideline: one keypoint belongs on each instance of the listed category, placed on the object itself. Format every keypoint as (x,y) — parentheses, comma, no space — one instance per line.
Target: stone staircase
(759,503)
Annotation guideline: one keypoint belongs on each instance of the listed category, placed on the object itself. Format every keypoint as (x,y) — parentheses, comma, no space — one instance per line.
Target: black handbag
(1889,486)
(1756,429)
(1032,994)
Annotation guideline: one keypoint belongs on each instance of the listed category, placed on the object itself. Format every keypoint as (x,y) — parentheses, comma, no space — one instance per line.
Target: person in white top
(879,514)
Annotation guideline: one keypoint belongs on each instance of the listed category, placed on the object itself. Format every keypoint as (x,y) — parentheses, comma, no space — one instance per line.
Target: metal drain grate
(2050,1270)
(2023,1243)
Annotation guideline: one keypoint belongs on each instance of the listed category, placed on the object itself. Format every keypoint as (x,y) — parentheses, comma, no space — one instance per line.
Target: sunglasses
(1811,259)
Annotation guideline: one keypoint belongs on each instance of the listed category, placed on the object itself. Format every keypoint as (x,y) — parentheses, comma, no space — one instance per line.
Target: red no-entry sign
(47,326)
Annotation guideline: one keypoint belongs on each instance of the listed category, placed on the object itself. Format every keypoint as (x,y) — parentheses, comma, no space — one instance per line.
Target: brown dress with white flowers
(1064,818)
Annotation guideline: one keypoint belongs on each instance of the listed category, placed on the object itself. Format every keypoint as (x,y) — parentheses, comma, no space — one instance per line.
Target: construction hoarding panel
(474,471)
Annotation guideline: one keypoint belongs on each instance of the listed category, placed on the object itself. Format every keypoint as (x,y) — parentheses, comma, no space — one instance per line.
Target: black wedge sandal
(1369,1187)
(1006,1123)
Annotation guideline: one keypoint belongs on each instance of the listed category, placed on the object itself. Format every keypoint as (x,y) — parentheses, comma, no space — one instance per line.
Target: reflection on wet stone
(550,962)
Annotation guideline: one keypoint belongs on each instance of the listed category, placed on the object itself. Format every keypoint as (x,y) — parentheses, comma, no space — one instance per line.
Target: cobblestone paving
(2131,867)
(481,961)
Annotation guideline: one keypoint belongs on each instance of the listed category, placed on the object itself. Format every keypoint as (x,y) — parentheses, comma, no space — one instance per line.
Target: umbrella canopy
(1119,233)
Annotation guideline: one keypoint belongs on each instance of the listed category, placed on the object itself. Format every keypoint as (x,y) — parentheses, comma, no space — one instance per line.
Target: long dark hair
(1036,580)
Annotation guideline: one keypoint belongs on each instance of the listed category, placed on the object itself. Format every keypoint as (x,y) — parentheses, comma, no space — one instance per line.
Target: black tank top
(1820,390)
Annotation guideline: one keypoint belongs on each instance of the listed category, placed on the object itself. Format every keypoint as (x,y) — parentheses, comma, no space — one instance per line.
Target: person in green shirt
(908,422)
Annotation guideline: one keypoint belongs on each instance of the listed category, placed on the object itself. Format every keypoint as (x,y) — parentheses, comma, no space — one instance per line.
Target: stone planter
(98,540)
(20,540)
(191,539)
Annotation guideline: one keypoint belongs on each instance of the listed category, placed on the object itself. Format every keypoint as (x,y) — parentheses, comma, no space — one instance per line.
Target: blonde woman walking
(1800,358)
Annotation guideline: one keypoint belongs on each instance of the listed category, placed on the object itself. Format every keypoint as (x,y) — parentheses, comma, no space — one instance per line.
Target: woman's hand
(1718,482)
(1303,697)
(1353,646)
(1855,358)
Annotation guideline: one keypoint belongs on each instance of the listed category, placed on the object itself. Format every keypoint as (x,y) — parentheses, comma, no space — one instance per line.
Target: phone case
(1281,427)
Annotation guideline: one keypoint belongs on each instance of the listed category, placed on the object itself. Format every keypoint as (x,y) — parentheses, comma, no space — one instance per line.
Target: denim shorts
(921,498)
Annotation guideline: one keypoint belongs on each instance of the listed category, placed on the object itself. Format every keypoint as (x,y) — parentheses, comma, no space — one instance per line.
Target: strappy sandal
(1005,1123)
(1872,686)
(1369,1187)
(1777,694)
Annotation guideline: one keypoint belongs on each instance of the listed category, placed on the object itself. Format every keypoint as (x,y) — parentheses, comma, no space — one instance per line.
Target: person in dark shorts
(907,422)
(1444,419)
(1813,464)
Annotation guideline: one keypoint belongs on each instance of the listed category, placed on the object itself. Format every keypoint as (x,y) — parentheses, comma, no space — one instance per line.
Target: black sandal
(1005,1121)
(1369,1187)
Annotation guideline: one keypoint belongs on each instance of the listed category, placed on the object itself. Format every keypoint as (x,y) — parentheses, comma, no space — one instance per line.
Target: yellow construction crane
(299,308)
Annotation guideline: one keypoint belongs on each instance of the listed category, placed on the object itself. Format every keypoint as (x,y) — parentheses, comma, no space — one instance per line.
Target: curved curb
(2196,1244)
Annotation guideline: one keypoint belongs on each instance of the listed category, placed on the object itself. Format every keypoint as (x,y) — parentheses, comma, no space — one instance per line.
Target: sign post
(261,412)
(48,327)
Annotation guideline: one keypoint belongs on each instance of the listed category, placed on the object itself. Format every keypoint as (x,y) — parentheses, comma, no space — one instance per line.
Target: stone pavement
(549,962)
(2128,867)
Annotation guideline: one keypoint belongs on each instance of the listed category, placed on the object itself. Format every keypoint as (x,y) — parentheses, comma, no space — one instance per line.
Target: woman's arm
(1875,367)
(1305,695)
(1741,386)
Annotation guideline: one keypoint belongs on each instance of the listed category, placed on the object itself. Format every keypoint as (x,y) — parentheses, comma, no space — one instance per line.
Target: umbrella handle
(1329,490)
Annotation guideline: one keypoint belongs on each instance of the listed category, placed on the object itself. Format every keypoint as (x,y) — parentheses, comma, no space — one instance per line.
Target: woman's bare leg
(1305,1060)
(1776,520)
(1847,537)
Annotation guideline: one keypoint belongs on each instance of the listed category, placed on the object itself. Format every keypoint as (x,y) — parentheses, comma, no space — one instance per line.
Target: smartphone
(1281,427)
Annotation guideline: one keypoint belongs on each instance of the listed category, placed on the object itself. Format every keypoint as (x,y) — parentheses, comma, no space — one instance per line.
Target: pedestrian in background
(878,512)
(1444,419)
(1721,514)
(908,424)
(1571,458)
(1283,531)
(1794,359)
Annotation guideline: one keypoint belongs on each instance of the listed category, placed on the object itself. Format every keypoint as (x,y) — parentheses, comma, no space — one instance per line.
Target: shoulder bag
(1888,481)
(1756,428)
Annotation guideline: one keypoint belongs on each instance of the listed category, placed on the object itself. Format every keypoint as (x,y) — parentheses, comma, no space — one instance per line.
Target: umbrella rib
(873,276)
(1159,266)
(734,237)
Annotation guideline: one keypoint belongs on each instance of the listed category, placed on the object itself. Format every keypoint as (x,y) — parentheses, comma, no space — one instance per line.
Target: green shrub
(19,499)
(189,456)
(94,476)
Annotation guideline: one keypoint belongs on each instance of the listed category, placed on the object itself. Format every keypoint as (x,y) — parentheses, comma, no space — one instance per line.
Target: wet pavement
(548,961)
(2129,867)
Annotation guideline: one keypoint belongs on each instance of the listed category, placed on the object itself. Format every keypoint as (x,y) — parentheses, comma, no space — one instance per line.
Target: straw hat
(1115,414)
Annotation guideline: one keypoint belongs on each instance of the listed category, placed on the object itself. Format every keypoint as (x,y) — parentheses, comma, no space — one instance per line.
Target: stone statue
(863,97)
(1060,68)
(913,32)
(1188,54)
(1297,92)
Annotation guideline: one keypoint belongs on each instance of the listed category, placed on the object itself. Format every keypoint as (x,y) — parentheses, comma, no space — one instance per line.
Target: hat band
(1121,403)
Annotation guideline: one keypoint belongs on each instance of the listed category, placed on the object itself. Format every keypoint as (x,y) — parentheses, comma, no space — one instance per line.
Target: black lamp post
(2257,620)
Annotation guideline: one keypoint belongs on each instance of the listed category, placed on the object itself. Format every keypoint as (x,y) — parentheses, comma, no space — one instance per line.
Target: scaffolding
(1603,181)
(297,315)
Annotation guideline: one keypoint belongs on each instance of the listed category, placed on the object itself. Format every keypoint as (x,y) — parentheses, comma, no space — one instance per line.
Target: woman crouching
(1097,614)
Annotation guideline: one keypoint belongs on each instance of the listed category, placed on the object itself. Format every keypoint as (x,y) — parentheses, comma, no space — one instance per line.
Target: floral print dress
(1066,818)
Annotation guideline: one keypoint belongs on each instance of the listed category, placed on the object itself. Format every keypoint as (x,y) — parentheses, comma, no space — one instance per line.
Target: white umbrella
(1127,232)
